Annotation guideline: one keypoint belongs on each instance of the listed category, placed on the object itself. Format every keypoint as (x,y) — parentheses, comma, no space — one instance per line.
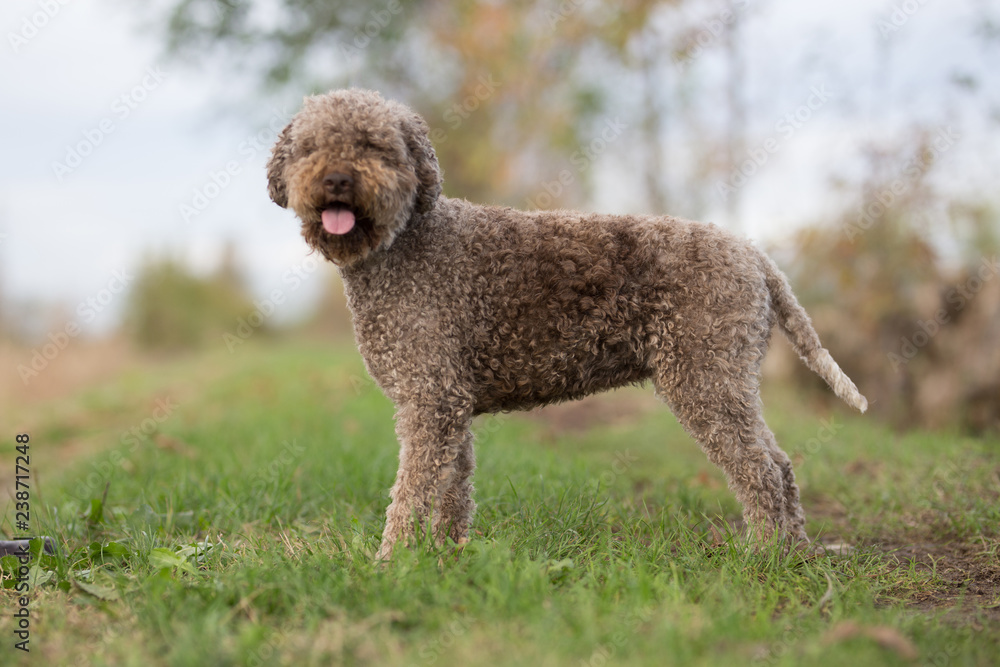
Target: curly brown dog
(461,309)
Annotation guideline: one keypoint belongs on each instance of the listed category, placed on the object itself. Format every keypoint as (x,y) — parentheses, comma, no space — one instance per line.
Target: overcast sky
(104,141)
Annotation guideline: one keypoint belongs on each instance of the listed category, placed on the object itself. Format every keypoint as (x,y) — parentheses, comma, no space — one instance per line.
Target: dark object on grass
(21,547)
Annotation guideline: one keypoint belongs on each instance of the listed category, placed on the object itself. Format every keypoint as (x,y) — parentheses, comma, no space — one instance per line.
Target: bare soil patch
(969,577)
(30,378)
(970,587)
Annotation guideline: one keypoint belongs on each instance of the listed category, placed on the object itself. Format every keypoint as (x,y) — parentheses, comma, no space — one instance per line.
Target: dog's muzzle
(337,216)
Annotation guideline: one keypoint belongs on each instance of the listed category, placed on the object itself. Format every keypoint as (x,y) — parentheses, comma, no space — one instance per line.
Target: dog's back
(552,305)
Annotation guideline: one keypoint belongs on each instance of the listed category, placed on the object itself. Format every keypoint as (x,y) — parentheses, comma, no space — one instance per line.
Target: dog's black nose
(338,182)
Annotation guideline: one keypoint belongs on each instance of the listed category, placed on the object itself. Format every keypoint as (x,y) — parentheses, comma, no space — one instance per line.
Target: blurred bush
(170,309)
(917,331)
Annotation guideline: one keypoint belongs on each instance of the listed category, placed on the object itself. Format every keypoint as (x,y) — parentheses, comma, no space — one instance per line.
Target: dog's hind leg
(711,382)
(732,435)
(794,514)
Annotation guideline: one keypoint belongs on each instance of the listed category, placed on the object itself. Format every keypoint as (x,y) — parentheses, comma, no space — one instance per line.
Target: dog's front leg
(435,461)
(453,514)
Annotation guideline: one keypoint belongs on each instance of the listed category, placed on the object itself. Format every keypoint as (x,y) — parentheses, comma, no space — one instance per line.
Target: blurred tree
(509,89)
(916,333)
(169,309)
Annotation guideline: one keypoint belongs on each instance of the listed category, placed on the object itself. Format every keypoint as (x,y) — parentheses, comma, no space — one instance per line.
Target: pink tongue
(338,220)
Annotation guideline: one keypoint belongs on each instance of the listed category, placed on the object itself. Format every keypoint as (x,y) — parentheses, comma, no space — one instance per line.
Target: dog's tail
(799,330)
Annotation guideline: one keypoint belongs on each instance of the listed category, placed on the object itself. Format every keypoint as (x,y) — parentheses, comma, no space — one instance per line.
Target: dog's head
(355,168)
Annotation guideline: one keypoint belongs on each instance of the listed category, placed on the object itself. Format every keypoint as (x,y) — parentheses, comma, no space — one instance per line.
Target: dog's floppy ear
(276,166)
(415,132)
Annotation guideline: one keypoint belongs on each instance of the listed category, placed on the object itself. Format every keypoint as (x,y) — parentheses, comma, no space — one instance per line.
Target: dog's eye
(380,143)
(307,146)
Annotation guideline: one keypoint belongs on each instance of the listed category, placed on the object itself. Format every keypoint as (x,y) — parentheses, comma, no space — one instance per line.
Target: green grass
(242,532)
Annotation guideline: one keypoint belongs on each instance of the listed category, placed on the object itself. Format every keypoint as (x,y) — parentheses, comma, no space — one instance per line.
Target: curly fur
(461,309)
